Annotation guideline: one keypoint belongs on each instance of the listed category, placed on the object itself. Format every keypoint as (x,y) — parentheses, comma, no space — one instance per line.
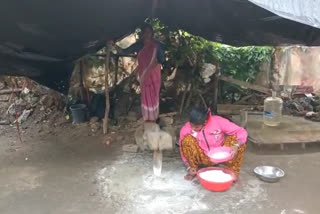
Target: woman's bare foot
(189,177)
(192,172)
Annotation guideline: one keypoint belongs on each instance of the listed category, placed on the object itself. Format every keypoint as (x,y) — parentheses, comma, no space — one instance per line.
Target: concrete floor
(77,174)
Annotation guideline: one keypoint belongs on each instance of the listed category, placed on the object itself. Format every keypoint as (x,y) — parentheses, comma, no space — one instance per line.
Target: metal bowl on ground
(269,174)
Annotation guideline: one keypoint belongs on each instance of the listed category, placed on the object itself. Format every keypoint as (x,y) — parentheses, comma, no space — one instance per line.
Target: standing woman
(150,57)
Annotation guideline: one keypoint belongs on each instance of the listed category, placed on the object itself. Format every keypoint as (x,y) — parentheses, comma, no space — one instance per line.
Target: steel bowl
(269,174)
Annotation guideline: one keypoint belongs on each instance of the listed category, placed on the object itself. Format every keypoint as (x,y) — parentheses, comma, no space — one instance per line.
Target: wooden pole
(81,79)
(116,71)
(106,85)
(215,93)
(188,101)
(184,97)
(203,101)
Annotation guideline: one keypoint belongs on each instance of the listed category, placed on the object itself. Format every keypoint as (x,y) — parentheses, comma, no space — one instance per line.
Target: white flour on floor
(130,186)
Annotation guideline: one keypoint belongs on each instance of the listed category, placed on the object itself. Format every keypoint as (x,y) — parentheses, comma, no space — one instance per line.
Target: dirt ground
(67,171)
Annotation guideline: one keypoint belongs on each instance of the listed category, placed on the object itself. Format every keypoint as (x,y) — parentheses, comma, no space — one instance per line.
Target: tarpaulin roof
(42,38)
(306,12)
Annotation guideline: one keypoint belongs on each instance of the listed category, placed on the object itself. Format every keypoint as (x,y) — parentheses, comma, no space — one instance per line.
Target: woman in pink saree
(150,55)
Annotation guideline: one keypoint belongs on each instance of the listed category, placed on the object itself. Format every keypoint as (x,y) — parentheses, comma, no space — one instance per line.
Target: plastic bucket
(214,186)
(79,113)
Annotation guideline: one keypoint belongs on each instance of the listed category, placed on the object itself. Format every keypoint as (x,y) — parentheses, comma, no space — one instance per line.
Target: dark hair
(145,27)
(198,116)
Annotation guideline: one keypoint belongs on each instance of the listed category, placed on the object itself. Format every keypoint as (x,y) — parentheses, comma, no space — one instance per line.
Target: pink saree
(151,82)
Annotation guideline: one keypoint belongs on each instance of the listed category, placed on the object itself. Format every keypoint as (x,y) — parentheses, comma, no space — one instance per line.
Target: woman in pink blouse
(204,132)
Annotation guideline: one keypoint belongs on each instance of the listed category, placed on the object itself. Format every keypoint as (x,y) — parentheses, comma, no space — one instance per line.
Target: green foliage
(185,51)
(240,62)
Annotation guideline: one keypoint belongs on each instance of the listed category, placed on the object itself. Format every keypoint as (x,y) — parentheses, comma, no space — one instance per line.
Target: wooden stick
(215,94)
(9,91)
(81,79)
(194,65)
(184,97)
(203,101)
(4,122)
(244,99)
(2,85)
(245,84)
(116,71)
(170,114)
(18,128)
(188,100)
(106,85)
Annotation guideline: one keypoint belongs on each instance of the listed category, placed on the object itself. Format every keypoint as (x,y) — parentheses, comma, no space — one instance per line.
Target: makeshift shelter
(41,39)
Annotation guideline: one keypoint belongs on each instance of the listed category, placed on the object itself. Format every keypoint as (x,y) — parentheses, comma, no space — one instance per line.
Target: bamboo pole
(215,93)
(107,69)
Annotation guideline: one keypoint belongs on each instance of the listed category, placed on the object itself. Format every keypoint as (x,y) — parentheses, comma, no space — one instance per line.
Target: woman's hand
(234,149)
(191,173)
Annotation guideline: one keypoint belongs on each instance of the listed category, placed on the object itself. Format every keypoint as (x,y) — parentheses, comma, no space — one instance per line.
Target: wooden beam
(9,91)
(106,85)
(232,109)
(245,84)
(4,122)
(114,55)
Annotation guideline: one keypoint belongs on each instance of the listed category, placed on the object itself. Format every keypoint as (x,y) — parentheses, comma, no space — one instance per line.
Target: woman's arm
(231,128)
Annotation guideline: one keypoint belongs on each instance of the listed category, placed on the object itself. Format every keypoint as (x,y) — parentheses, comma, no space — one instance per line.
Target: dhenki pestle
(157,162)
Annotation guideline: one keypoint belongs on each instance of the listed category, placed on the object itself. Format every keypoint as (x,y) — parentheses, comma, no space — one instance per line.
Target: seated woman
(204,132)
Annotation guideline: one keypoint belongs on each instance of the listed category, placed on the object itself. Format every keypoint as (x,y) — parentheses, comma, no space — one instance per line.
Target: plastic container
(220,149)
(79,113)
(272,114)
(214,186)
